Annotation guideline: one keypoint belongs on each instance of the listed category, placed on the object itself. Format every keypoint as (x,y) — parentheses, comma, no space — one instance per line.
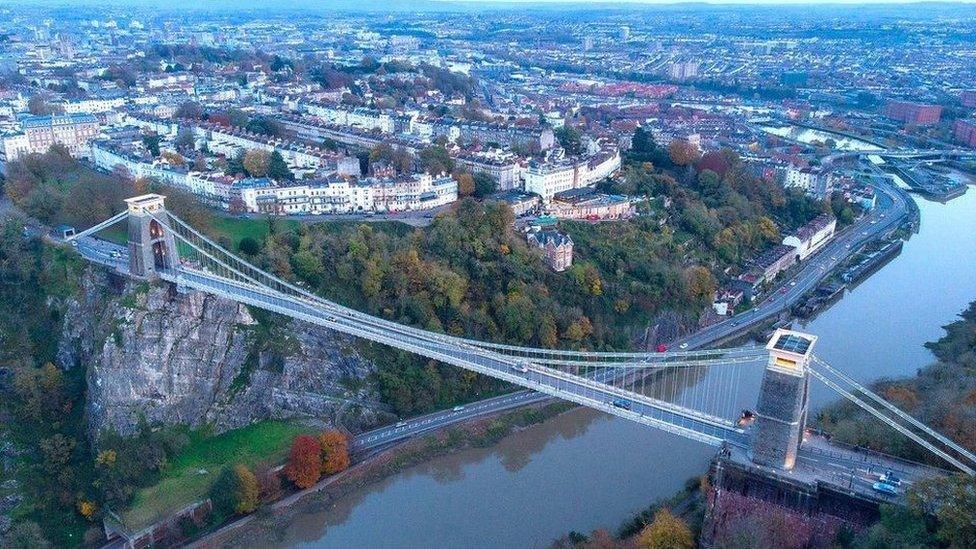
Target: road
(892,207)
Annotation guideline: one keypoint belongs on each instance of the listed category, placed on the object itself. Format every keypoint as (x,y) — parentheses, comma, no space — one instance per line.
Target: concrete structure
(968,98)
(151,246)
(783,400)
(343,195)
(683,70)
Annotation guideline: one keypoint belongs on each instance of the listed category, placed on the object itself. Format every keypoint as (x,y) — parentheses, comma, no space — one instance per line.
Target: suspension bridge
(692,393)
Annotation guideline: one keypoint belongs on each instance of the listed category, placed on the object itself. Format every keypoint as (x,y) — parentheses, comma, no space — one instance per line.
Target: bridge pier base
(783,400)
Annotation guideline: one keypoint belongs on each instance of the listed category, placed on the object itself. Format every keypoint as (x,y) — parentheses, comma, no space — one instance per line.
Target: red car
(661,348)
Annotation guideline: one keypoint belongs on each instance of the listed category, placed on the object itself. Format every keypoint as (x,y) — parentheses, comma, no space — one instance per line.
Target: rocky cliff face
(189,358)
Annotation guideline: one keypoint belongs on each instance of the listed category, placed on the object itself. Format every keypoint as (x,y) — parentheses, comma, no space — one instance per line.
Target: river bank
(482,432)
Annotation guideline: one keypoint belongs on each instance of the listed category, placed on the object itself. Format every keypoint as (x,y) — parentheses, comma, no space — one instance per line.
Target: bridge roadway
(594,393)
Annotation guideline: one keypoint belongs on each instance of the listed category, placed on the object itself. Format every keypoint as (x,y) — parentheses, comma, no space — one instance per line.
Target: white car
(683,346)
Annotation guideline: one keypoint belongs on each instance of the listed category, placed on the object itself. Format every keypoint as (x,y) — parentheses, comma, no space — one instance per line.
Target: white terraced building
(550,178)
(359,117)
(416,192)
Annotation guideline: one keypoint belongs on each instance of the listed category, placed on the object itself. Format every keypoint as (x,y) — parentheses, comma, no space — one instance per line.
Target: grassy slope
(189,476)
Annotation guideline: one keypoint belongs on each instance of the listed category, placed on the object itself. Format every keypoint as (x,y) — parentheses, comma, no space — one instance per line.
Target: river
(585,470)
(811,136)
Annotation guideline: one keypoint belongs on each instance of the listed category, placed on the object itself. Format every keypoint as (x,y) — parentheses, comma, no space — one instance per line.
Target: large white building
(812,236)
(813,181)
(343,195)
(368,119)
(549,178)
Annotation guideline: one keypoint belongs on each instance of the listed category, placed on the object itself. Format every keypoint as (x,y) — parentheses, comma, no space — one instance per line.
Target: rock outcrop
(166,357)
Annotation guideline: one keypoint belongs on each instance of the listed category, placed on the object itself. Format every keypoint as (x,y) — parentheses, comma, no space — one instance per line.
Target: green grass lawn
(236,229)
(190,473)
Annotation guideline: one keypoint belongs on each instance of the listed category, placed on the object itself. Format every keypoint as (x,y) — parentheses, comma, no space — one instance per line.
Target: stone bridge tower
(152,247)
(781,414)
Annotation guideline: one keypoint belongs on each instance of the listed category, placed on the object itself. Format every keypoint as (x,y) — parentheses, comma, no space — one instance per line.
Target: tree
(24,535)
(246,494)
(570,139)
(304,461)
(484,184)
(189,109)
(184,140)
(39,105)
(235,491)
(666,532)
(699,283)
(151,142)
(278,169)
(249,246)
(222,493)
(256,162)
(951,500)
(682,152)
(435,160)
(335,449)
(465,184)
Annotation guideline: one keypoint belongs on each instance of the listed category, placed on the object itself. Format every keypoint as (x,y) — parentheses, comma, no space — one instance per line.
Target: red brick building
(968,98)
(965,132)
(913,114)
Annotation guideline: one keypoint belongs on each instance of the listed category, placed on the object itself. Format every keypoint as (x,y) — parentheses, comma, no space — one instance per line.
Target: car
(521,366)
(782,290)
(401,424)
(683,346)
(885,488)
(74,243)
(458,408)
(115,254)
(735,322)
(621,403)
(833,258)
(889,478)
(793,283)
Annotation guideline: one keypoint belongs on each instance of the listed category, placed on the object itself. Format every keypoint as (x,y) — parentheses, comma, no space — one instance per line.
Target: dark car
(621,403)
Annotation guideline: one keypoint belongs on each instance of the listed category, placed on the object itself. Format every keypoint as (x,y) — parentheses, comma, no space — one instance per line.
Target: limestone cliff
(195,359)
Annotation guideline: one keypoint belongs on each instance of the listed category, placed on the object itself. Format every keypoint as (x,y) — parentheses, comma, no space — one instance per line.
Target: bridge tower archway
(152,247)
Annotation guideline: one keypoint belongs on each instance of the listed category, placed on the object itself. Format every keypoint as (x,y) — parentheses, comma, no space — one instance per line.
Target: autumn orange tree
(335,450)
(246,496)
(304,466)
